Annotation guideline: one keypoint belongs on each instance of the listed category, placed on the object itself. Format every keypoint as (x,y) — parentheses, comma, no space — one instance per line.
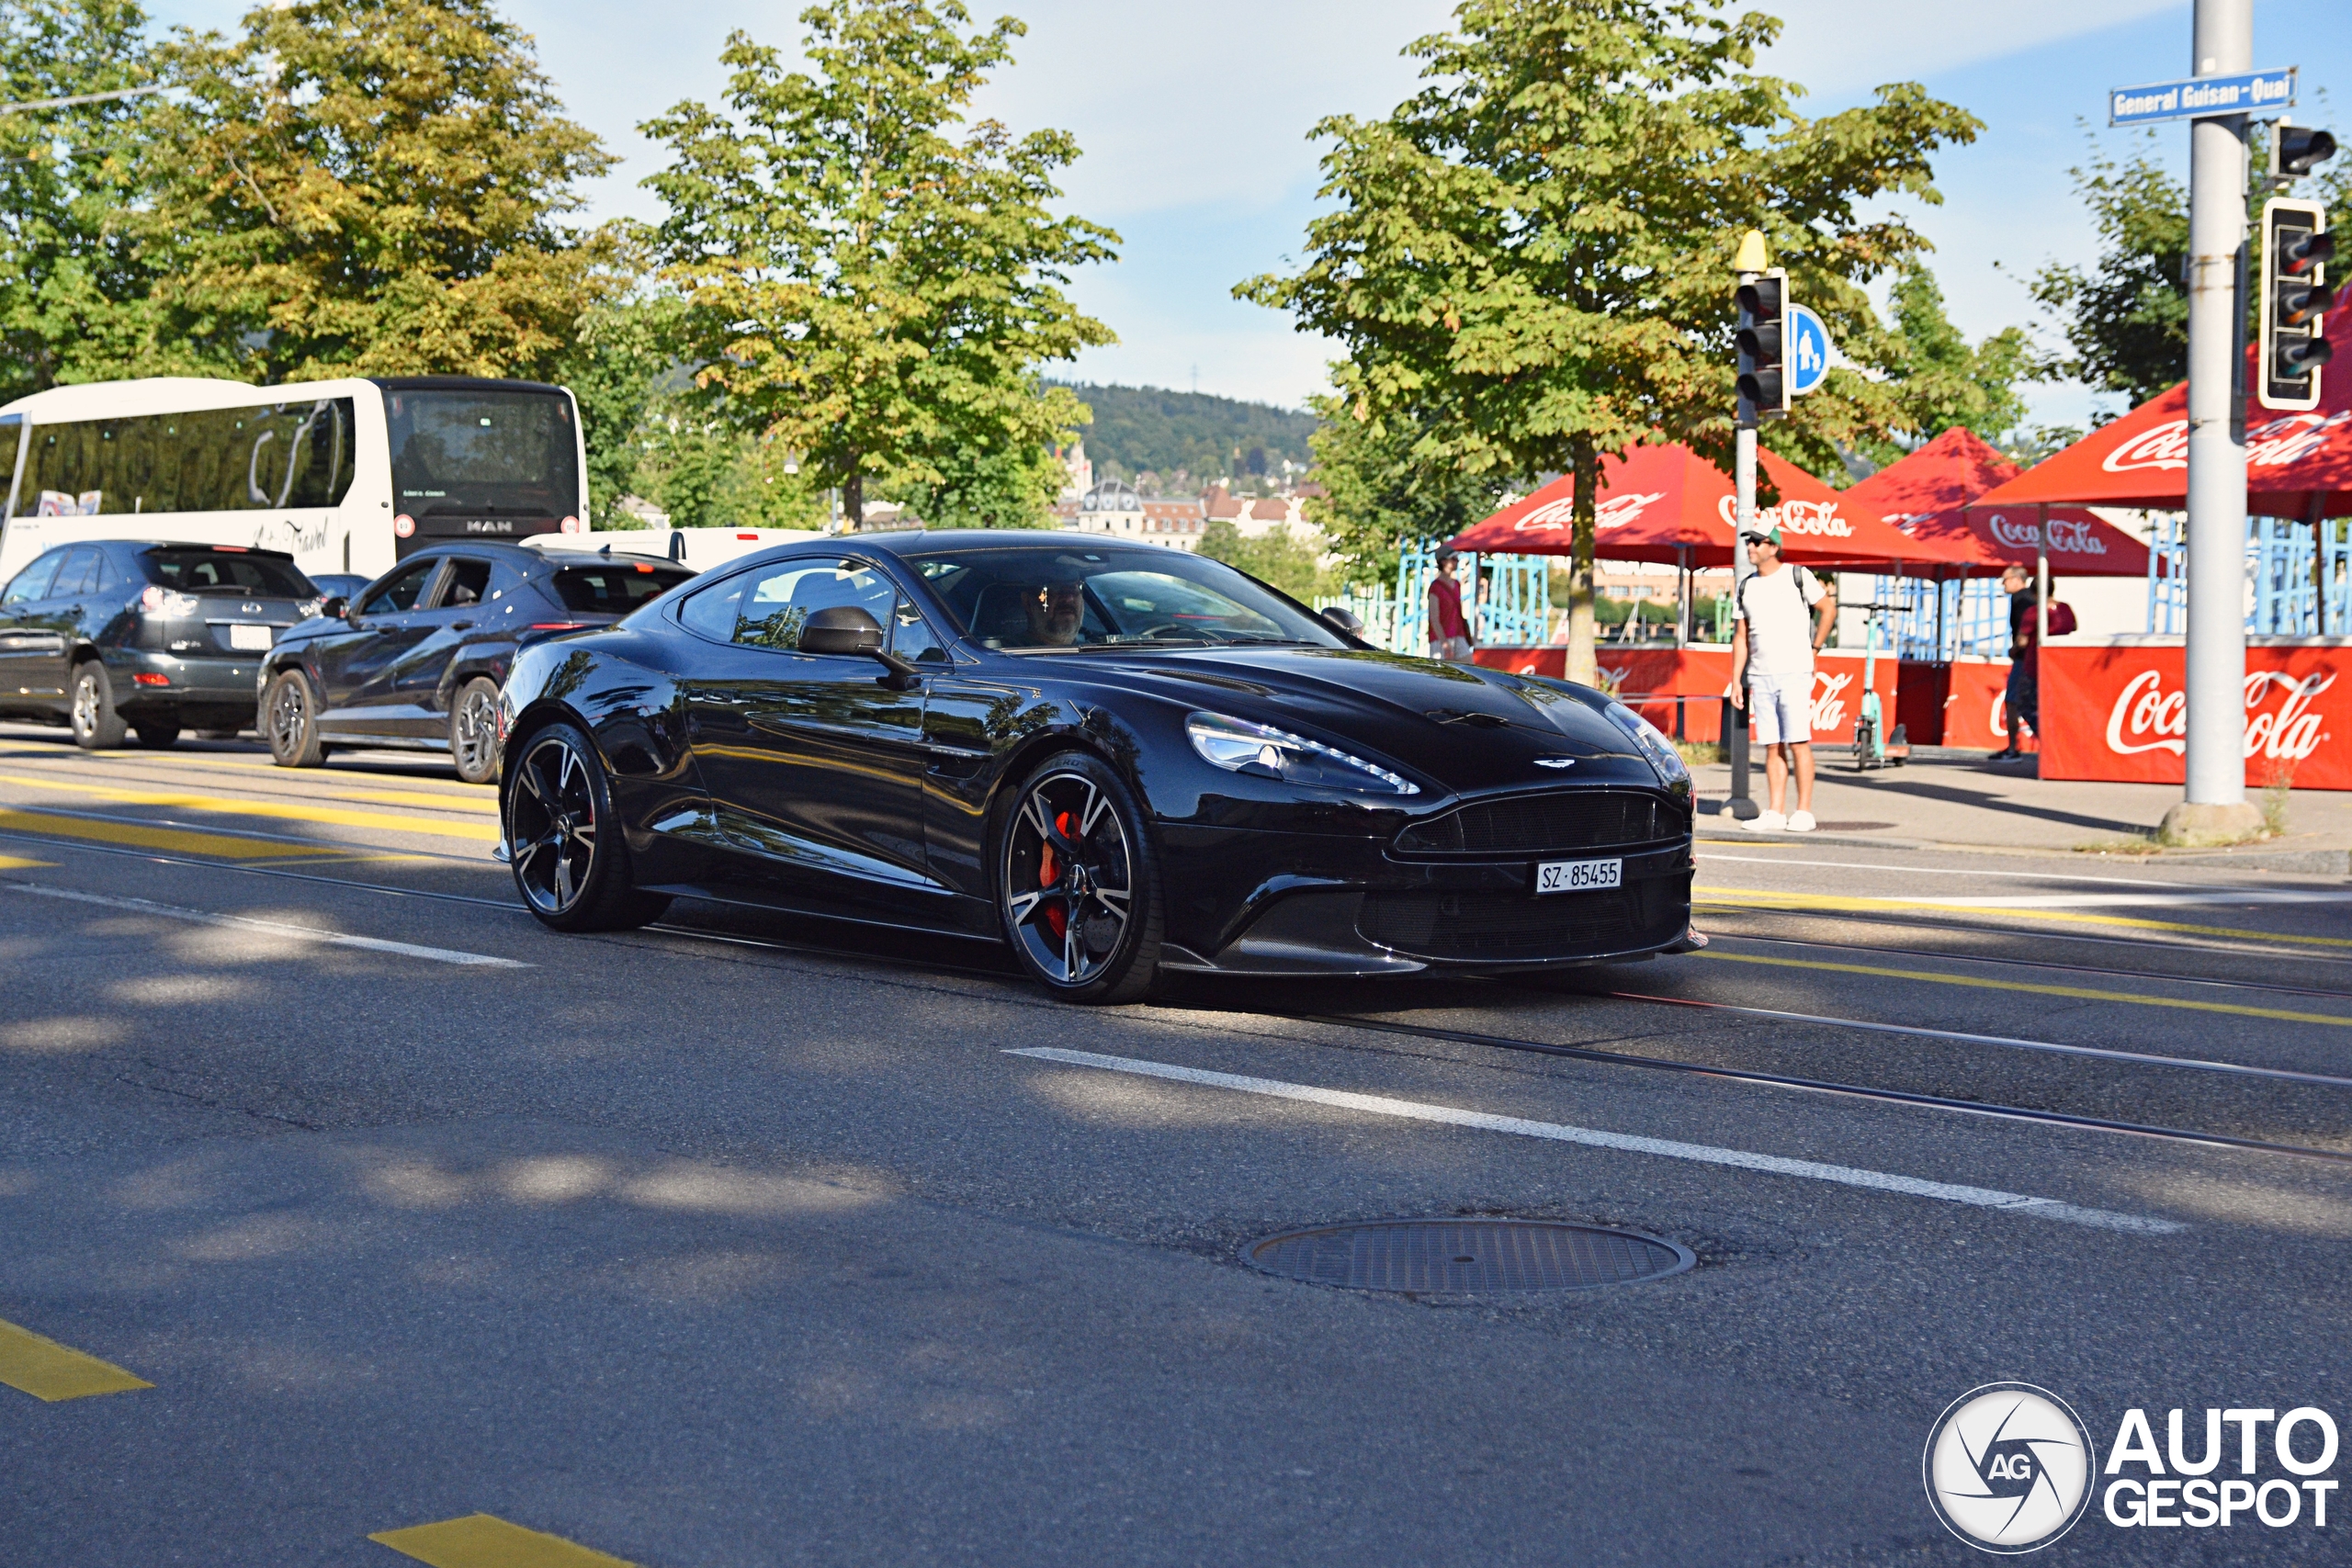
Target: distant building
(1081,469)
(1113,507)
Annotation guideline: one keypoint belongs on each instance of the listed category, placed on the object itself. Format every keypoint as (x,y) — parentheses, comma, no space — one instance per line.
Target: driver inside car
(1058,613)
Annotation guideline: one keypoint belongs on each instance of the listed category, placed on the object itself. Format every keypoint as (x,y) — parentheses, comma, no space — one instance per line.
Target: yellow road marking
(14,862)
(1798,903)
(485,1540)
(178,841)
(48,1371)
(2080,993)
(483,832)
(487,802)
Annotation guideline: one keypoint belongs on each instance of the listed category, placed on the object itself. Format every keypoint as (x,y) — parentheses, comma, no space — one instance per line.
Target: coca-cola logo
(2163,447)
(2068,537)
(2270,445)
(2289,440)
(2146,718)
(1559,516)
(1818,518)
(1829,700)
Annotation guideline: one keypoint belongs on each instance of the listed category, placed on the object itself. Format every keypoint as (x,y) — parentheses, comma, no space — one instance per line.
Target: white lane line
(1703,1154)
(1948,871)
(276,928)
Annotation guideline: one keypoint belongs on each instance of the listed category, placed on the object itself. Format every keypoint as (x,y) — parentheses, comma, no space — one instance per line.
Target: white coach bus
(346,476)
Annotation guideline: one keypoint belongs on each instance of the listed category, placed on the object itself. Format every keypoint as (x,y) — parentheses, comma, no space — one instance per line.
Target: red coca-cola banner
(1976,711)
(2122,713)
(1649,679)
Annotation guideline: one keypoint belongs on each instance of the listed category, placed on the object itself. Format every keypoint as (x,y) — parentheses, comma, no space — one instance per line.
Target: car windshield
(482,454)
(1047,597)
(224,571)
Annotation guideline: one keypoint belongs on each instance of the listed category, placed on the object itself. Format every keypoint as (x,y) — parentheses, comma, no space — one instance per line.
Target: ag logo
(2008,1468)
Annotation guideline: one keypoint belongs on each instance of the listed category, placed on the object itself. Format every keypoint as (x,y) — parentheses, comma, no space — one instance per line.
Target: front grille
(1521,925)
(1540,824)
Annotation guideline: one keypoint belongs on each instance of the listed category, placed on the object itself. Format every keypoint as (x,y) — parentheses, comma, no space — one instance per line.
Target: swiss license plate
(254,638)
(1576,875)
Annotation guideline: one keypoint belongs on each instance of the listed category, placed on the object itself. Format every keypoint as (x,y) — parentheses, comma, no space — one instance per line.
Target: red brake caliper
(1050,871)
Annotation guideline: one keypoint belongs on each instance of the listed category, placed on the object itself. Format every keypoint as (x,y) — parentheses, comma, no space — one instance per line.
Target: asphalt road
(746,1241)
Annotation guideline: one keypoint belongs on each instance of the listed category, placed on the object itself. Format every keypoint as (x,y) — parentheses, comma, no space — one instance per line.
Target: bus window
(483,454)
(288,455)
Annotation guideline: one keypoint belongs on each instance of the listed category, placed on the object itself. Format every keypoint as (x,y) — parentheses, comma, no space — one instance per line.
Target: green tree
(73,286)
(615,368)
(1531,254)
(2125,317)
(872,280)
(1938,379)
(369,187)
(1376,496)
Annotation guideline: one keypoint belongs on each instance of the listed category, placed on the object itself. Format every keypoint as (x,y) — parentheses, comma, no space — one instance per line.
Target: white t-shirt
(1778,608)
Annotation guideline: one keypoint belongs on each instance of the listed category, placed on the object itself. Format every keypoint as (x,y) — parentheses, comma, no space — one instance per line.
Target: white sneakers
(1773,822)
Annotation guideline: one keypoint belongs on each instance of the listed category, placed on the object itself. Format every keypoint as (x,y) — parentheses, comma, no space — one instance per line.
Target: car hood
(1468,730)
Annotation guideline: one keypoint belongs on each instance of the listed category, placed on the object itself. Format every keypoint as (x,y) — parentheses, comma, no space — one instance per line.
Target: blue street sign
(2202,97)
(1808,350)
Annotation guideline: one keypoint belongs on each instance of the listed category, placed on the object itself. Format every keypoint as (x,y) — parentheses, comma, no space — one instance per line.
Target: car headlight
(1653,745)
(1240,747)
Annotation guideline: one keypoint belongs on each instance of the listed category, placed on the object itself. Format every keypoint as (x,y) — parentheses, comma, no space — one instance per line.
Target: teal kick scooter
(1873,746)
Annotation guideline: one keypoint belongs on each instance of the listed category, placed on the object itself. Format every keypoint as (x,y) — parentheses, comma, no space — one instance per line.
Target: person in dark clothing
(2022,700)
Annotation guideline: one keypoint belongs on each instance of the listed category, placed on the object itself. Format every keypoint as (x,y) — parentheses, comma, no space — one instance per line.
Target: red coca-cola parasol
(2294,461)
(1928,495)
(1667,504)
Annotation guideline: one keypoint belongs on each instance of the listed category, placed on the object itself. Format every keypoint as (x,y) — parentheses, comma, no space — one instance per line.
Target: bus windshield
(461,452)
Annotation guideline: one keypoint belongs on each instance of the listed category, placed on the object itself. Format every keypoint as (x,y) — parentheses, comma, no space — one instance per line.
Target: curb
(2308,863)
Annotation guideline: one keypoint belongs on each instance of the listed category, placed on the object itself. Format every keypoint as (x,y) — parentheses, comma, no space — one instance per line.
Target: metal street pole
(2215,805)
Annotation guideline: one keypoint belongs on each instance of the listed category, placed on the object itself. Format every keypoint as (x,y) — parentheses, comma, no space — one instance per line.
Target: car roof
(531,554)
(914,541)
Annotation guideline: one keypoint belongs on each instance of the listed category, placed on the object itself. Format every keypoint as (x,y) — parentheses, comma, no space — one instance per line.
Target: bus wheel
(289,720)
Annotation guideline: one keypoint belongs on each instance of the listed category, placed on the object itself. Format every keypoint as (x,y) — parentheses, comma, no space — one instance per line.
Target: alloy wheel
(86,706)
(551,825)
(289,719)
(1069,878)
(476,733)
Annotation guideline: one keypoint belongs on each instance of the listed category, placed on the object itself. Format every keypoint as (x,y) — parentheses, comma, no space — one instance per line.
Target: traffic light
(2296,249)
(1763,367)
(2297,150)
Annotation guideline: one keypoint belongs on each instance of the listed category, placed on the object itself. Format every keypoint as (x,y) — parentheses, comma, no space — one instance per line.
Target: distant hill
(1140,429)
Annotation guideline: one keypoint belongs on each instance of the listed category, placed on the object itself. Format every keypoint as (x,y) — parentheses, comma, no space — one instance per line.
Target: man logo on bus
(2008,1468)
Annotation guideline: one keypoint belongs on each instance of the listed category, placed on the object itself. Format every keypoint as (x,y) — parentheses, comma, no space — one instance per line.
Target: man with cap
(1449,628)
(1774,636)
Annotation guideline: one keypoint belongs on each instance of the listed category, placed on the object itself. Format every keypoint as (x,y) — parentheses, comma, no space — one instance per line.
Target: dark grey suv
(125,635)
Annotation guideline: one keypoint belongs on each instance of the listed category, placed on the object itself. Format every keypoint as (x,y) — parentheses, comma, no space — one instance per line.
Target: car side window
(399,593)
(74,576)
(912,636)
(102,577)
(33,581)
(766,608)
(467,585)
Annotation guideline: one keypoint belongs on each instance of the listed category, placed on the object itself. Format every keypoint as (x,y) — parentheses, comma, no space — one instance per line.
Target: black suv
(415,658)
(113,635)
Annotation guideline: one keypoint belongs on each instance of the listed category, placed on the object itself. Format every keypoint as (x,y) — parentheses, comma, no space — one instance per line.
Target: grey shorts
(1783,708)
(1456,648)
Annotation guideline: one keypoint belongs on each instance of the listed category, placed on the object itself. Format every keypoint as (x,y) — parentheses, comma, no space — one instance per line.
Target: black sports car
(1119,760)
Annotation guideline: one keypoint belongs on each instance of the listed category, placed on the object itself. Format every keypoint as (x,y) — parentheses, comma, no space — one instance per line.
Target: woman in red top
(1449,630)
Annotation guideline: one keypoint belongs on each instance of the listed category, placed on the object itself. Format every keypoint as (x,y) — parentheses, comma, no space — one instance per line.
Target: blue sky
(1194,119)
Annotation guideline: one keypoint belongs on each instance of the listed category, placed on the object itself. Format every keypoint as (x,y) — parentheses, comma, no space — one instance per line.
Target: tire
(1078,882)
(155,737)
(473,731)
(290,721)
(91,715)
(570,856)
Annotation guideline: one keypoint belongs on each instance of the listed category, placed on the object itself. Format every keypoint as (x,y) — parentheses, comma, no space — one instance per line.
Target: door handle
(462,625)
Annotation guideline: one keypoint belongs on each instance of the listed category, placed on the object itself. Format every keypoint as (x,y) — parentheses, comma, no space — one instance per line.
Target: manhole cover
(1447,1256)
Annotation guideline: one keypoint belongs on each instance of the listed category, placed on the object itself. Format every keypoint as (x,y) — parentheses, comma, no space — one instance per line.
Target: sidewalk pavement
(1959,800)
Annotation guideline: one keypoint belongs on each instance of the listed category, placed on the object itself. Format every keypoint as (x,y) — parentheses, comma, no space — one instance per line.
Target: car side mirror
(1341,618)
(845,628)
(334,607)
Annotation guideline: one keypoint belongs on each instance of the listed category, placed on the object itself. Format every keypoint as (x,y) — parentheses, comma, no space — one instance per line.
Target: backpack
(2062,617)
(1801,576)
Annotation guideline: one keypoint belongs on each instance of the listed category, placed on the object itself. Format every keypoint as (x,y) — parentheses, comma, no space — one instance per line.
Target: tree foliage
(74,284)
(1528,260)
(1936,379)
(1377,495)
(1204,438)
(369,187)
(1290,561)
(870,278)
